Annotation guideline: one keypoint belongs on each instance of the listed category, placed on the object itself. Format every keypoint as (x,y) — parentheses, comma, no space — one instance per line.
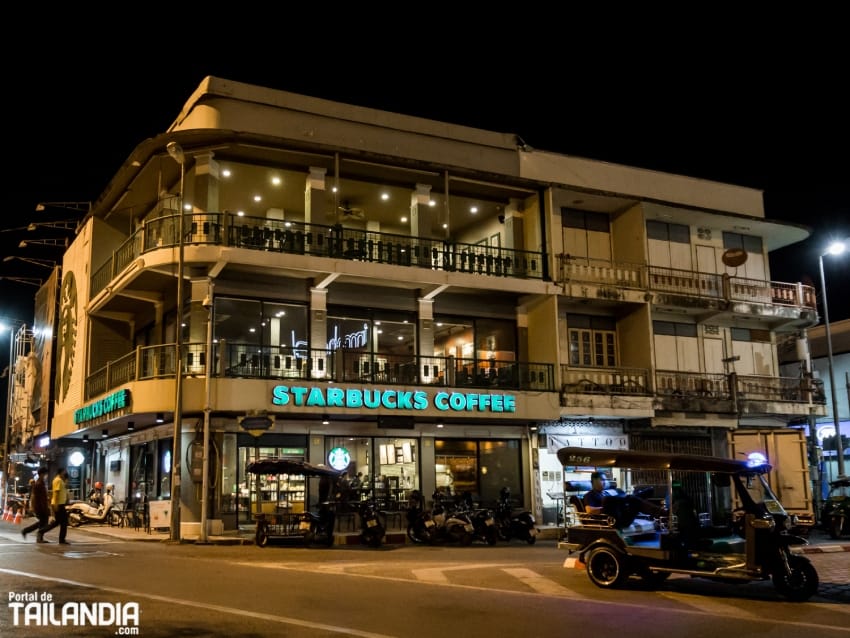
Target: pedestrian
(40,505)
(59,503)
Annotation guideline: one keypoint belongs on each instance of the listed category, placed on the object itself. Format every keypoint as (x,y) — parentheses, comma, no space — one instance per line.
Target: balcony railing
(260,233)
(796,390)
(692,384)
(684,282)
(243,360)
(600,271)
(581,380)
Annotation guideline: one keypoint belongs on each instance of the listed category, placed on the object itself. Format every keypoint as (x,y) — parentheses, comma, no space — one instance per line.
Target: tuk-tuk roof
(656,461)
(291,466)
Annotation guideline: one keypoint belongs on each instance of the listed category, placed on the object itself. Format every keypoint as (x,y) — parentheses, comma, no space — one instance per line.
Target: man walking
(59,503)
(39,505)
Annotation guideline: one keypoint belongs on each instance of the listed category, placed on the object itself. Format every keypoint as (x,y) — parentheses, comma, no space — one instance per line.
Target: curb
(821,549)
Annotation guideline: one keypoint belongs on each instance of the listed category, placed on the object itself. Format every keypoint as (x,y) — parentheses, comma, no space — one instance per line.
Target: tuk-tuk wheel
(262,538)
(835,525)
(799,585)
(607,567)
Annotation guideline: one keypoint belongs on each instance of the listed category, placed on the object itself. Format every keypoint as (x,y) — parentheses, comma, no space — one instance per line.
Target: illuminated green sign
(400,400)
(114,402)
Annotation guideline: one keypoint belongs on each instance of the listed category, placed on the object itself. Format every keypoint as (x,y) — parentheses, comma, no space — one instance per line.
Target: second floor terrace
(778,303)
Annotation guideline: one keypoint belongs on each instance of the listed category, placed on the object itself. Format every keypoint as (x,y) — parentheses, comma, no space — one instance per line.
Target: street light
(44,263)
(835,248)
(83,207)
(176,153)
(59,243)
(32,281)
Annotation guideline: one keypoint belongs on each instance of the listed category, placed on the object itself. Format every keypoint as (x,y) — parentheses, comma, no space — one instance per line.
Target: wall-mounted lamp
(439,425)
(130,426)
(104,433)
(85,438)
(325,419)
(160,417)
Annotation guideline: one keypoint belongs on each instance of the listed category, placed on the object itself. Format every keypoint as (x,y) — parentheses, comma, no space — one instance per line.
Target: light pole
(205,480)
(835,248)
(176,153)
(32,281)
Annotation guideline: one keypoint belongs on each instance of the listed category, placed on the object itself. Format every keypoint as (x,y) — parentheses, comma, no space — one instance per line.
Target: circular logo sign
(339,458)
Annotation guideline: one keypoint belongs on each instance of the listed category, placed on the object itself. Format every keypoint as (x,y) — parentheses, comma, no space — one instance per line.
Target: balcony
(271,235)
(249,361)
(744,394)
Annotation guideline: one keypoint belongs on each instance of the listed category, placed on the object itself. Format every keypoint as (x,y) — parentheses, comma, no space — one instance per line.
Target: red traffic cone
(7,514)
(18,517)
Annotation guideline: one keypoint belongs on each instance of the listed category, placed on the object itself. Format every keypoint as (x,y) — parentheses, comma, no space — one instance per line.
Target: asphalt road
(402,591)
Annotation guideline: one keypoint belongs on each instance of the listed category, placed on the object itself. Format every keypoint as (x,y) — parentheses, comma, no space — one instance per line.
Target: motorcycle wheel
(74,519)
(530,538)
(262,537)
(801,583)
(607,568)
(491,536)
(374,536)
(114,518)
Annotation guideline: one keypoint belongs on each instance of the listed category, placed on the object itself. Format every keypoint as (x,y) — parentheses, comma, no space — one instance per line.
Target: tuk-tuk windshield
(760,492)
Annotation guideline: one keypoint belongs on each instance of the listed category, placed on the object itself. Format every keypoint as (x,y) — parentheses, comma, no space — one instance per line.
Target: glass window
(481,468)
(259,338)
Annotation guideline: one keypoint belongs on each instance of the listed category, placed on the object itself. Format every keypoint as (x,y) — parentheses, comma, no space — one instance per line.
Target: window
(584,220)
(593,341)
(481,468)
(749,334)
(663,231)
(749,243)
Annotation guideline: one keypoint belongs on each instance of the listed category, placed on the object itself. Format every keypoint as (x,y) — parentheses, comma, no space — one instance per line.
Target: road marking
(436,575)
(710,605)
(540,584)
(133,594)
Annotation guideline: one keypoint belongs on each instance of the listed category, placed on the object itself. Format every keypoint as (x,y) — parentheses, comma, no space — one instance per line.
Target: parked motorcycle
(441,525)
(321,526)
(372,529)
(483,521)
(82,512)
(835,515)
(514,523)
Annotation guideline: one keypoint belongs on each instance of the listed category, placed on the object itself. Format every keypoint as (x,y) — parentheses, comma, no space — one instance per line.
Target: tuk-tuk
(702,516)
(286,524)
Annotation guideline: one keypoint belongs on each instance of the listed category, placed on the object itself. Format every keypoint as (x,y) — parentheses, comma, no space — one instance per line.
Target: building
(436,306)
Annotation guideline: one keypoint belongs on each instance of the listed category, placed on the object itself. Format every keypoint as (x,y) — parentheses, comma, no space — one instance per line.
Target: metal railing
(260,233)
(244,360)
(600,271)
(692,384)
(615,380)
(792,389)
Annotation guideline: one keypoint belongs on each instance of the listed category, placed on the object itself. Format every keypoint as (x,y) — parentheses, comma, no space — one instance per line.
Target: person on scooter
(96,494)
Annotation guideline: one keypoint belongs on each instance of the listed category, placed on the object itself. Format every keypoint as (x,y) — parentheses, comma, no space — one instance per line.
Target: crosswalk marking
(540,584)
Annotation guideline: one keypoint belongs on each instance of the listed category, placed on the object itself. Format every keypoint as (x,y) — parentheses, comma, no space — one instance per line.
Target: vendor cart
(289,520)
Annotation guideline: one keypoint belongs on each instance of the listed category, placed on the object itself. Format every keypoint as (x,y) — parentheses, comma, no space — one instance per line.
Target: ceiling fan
(347,211)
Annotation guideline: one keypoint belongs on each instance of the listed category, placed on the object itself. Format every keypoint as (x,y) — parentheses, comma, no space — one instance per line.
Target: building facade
(434,306)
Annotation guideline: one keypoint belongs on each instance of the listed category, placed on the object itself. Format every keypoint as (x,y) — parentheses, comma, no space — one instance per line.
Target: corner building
(433,306)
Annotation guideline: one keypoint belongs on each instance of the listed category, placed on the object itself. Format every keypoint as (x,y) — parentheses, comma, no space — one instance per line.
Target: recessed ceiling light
(276,180)
(385,196)
(258,198)
(241,213)
(403,220)
(432,203)
(473,209)
(226,172)
(445,225)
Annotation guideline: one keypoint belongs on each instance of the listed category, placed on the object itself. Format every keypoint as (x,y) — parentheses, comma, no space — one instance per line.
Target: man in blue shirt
(593,499)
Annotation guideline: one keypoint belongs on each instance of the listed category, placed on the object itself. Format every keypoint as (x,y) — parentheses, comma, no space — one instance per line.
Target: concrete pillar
(514,230)
(426,327)
(314,196)
(319,332)
(205,185)
(421,214)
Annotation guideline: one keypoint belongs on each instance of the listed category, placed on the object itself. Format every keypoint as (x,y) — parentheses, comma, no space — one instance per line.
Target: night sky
(769,113)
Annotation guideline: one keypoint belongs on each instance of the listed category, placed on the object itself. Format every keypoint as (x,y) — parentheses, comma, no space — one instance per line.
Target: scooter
(82,512)
(483,521)
(372,530)
(319,526)
(513,523)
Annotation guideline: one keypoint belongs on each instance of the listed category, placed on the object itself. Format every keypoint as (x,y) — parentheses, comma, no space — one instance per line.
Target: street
(167,589)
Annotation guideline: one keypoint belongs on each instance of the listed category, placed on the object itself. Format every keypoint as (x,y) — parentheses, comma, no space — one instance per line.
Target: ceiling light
(276,181)
(325,419)
(130,426)
(104,433)
(473,209)
(439,425)
(226,172)
(85,438)
(160,417)
(385,196)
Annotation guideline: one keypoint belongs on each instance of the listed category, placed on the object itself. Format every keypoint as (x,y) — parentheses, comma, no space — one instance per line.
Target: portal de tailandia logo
(40,609)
